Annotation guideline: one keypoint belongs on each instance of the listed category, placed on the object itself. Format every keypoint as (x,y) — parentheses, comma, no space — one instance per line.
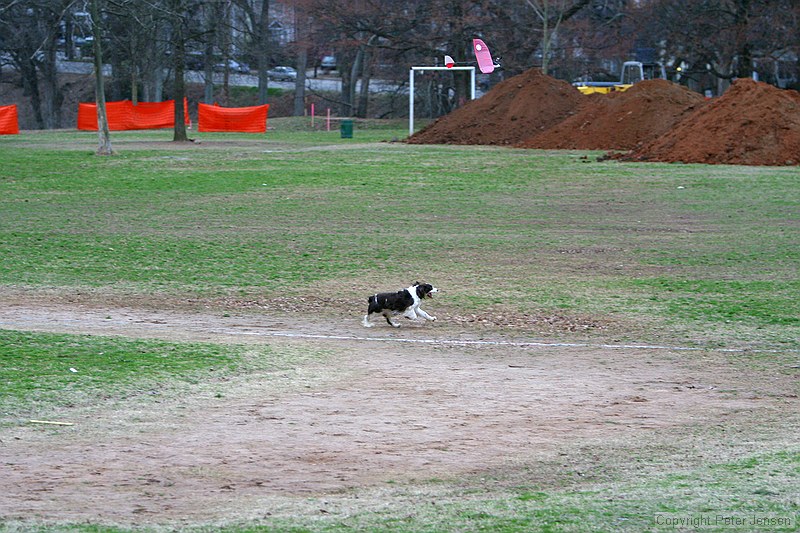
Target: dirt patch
(512,111)
(621,120)
(379,410)
(501,321)
(753,123)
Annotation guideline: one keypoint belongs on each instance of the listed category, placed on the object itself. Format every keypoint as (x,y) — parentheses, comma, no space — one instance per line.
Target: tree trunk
(104,138)
(366,74)
(263,52)
(30,85)
(349,85)
(363,97)
(461,80)
(345,73)
(213,17)
(546,38)
(744,61)
(158,84)
(53,96)
(208,73)
(744,48)
(154,84)
(225,46)
(134,86)
(226,83)
(69,46)
(300,82)
(179,87)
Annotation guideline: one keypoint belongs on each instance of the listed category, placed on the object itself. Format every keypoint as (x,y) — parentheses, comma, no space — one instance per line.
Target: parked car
(328,64)
(233,66)
(282,74)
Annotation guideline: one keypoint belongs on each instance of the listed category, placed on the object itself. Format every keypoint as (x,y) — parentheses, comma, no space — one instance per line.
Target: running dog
(405,302)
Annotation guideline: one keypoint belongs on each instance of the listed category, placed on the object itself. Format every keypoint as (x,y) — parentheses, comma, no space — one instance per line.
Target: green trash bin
(347,129)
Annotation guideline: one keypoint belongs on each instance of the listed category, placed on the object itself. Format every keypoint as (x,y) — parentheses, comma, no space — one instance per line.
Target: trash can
(347,129)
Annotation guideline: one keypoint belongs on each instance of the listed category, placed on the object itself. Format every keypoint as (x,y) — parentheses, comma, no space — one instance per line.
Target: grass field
(526,245)
(686,253)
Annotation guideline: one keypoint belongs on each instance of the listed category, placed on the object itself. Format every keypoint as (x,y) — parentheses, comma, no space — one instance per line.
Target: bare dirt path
(373,412)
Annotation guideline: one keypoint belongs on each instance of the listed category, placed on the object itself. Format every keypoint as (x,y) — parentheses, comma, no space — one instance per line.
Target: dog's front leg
(425,315)
(389,320)
(410,314)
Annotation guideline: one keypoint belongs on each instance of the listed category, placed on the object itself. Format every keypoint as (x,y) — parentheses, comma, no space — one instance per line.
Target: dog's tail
(372,304)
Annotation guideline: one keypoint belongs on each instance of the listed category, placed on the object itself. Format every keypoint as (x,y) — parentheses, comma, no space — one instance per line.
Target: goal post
(411,89)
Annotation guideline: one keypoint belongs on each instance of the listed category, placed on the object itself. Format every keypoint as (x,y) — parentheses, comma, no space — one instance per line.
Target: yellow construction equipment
(632,72)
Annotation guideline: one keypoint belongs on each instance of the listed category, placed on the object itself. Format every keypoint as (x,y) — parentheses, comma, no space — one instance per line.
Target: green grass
(688,254)
(46,373)
(730,301)
(673,250)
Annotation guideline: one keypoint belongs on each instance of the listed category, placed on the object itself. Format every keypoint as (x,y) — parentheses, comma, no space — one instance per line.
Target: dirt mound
(621,120)
(512,111)
(753,123)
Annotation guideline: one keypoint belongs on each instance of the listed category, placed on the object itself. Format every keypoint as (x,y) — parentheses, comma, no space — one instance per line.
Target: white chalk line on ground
(512,344)
(13,324)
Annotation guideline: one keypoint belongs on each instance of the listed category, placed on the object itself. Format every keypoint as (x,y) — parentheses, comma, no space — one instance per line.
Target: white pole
(472,84)
(411,103)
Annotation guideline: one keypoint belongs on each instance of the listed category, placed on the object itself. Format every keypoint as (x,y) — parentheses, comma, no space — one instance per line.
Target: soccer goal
(411,89)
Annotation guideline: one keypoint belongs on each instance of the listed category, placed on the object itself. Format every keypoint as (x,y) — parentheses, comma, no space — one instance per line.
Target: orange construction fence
(123,115)
(9,123)
(251,119)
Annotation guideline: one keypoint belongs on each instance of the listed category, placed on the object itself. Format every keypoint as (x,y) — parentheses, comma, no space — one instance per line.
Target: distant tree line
(150,44)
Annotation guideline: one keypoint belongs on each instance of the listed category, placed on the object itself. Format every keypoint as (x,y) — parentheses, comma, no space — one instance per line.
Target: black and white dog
(405,302)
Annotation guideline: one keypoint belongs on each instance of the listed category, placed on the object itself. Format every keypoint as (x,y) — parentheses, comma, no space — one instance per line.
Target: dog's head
(425,290)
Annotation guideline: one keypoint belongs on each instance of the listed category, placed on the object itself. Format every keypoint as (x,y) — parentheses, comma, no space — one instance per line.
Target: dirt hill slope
(512,111)
(753,123)
(621,120)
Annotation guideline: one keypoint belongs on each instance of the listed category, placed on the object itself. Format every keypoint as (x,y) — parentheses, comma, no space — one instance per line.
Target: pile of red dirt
(753,123)
(512,111)
(621,120)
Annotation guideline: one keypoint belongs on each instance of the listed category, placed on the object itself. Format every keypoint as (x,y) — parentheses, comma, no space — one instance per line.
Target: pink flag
(483,56)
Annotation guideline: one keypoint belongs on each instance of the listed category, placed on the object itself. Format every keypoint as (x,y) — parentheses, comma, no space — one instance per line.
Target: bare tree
(213,14)
(302,46)
(262,40)
(257,27)
(104,147)
(723,39)
(551,13)
(28,34)
(179,15)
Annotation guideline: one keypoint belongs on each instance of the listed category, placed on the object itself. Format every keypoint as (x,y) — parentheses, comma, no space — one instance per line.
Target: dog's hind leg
(371,308)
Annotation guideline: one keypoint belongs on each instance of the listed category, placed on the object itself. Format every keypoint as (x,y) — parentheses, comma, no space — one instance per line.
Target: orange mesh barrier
(123,115)
(8,120)
(242,119)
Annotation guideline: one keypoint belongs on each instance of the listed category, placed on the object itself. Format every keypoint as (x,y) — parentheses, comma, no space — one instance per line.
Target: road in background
(322,83)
